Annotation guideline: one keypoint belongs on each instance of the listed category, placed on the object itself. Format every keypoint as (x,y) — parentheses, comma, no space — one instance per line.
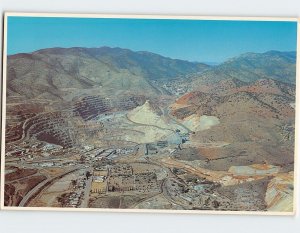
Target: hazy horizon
(211,41)
(212,63)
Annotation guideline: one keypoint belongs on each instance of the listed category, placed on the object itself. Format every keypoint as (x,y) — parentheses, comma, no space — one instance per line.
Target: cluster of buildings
(153,148)
(176,87)
(178,139)
(99,180)
(120,178)
(98,154)
(29,150)
(75,198)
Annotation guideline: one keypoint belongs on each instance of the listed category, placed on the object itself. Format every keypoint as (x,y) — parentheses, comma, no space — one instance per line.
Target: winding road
(41,186)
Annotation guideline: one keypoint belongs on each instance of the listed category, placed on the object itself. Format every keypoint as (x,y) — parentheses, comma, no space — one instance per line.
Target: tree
(74,182)
(88,175)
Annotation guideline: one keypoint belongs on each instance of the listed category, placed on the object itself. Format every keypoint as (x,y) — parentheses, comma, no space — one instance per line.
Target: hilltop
(48,73)
(249,67)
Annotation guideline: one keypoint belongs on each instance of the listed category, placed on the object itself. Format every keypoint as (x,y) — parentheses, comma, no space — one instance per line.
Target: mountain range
(48,71)
(51,73)
(250,67)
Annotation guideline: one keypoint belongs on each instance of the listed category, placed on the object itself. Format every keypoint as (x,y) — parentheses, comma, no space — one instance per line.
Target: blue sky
(193,40)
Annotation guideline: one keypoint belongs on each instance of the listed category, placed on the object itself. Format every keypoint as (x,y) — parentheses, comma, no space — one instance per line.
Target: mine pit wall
(91,106)
(52,128)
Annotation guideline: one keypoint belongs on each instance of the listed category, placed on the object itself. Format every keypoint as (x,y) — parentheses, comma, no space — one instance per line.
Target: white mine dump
(199,123)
